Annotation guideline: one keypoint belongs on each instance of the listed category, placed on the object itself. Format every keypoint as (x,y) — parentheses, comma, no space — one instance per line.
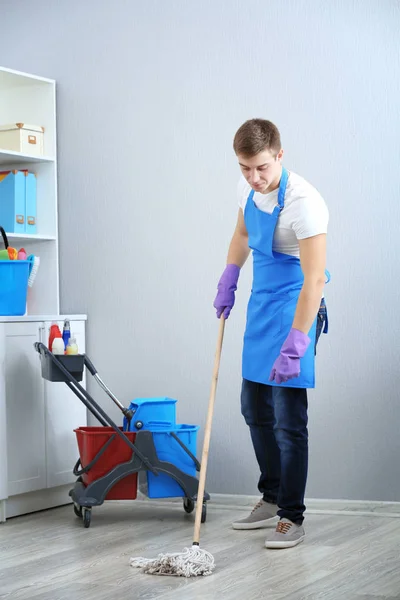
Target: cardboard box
(20,137)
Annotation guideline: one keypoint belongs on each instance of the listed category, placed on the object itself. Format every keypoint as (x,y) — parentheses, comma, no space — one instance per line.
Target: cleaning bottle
(72,347)
(54,333)
(58,346)
(66,333)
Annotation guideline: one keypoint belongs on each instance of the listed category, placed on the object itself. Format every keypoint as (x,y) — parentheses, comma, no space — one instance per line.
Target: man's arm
(237,255)
(313,261)
(239,247)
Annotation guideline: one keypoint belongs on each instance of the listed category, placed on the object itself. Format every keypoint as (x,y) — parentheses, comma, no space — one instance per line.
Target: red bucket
(90,441)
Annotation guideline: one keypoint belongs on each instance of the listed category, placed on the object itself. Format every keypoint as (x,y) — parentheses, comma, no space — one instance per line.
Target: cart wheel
(204,512)
(78,510)
(87,516)
(188,505)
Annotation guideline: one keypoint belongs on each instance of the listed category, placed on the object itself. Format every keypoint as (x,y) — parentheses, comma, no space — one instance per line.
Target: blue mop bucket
(14,275)
(169,450)
(151,413)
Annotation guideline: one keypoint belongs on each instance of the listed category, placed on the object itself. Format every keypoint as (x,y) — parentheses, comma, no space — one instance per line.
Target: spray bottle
(66,333)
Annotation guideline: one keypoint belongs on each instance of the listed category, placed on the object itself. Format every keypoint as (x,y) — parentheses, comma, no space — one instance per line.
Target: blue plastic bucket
(152,413)
(14,275)
(169,450)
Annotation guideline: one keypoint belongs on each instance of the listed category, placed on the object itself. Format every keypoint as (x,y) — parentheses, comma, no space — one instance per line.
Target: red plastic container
(90,441)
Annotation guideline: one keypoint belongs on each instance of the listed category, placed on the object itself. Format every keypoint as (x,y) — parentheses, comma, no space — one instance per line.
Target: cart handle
(93,371)
(79,391)
(90,366)
(128,412)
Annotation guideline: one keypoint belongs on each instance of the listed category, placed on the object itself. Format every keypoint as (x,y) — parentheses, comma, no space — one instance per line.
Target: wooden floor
(50,556)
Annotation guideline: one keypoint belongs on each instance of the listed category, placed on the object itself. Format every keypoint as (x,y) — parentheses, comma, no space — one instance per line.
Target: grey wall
(149,97)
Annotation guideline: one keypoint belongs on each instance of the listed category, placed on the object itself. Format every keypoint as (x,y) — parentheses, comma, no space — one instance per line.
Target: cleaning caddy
(111,457)
(17,274)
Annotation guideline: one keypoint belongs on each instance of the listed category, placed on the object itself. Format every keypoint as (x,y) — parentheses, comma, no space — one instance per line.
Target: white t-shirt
(304,214)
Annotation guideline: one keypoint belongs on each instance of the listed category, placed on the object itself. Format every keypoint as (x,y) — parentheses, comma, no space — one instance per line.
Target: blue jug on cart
(158,415)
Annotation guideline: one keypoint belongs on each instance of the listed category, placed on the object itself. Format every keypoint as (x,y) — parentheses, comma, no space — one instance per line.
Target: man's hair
(257,135)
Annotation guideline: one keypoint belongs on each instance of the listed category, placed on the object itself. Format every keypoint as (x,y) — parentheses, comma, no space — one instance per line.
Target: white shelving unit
(30,99)
(37,417)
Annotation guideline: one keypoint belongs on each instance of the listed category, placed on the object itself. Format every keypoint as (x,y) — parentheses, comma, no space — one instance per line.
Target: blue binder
(12,201)
(30,203)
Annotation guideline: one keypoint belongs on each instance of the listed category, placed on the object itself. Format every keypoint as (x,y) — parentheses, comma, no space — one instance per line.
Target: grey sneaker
(286,535)
(261,516)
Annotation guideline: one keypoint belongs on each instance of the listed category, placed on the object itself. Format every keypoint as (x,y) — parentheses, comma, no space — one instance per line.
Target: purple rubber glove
(287,365)
(227,285)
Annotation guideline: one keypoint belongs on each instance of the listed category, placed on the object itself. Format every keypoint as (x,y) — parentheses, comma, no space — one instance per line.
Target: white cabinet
(25,410)
(40,418)
(3,427)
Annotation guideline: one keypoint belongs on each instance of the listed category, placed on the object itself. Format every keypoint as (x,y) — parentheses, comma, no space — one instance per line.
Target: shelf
(26,237)
(39,318)
(8,157)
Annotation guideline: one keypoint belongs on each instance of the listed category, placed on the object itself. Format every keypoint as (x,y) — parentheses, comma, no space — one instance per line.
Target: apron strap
(326,326)
(282,187)
(328,278)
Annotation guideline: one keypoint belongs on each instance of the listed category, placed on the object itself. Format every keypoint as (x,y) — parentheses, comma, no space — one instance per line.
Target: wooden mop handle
(207,433)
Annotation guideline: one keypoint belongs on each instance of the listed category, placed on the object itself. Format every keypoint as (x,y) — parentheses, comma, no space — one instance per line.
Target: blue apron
(277,282)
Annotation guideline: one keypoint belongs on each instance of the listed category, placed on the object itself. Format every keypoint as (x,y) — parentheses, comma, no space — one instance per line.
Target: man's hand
(237,255)
(227,286)
(287,365)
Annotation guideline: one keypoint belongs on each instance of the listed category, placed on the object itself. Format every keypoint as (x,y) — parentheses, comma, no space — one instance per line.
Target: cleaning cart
(111,457)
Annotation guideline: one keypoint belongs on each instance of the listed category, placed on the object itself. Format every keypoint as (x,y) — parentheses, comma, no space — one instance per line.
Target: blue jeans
(278,419)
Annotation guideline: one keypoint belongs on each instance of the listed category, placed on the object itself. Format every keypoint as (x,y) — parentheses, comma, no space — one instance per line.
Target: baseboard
(2,511)
(36,501)
(314,505)
(318,506)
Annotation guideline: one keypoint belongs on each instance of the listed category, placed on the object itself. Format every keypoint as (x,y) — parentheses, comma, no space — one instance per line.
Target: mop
(193,561)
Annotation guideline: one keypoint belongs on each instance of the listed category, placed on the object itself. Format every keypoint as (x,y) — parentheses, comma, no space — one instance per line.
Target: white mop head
(191,563)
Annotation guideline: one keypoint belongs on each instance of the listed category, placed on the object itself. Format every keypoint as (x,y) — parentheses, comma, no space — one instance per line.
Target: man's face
(262,171)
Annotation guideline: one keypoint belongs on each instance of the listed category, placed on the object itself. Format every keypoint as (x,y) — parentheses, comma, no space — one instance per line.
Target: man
(283,220)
